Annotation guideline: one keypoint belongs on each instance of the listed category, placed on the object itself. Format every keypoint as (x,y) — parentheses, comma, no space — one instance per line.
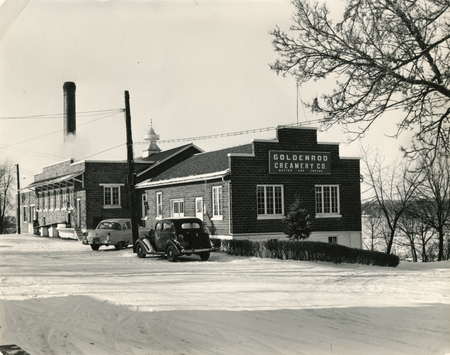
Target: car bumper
(196,251)
(96,242)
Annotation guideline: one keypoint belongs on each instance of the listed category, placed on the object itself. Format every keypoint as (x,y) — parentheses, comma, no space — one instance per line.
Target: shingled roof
(157,157)
(201,164)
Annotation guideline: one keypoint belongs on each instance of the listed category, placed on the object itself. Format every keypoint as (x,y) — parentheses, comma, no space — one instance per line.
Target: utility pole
(18,198)
(131,175)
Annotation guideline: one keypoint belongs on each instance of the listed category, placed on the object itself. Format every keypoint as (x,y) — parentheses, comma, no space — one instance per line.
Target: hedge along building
(244,192)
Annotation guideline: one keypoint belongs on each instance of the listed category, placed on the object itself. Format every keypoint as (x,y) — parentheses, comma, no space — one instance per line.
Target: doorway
(199,207)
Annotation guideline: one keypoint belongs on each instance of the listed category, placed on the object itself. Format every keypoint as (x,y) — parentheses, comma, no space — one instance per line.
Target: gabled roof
(158,158)
(199,166)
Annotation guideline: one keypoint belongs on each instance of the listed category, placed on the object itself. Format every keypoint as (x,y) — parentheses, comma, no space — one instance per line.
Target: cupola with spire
(153,148)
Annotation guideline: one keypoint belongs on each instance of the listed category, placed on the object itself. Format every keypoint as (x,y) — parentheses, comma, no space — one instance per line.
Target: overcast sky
(192,68)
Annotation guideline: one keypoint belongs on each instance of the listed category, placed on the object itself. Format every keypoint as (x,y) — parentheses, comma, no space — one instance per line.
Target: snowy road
(59,297)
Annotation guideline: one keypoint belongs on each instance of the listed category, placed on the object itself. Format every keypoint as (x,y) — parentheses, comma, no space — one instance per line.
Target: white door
(199,207)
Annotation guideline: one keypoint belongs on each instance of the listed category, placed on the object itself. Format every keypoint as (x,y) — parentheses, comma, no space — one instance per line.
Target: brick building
(243,192)
(79,194)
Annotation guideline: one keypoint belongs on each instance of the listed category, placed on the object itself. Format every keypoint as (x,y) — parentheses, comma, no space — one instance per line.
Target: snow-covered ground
(60,297)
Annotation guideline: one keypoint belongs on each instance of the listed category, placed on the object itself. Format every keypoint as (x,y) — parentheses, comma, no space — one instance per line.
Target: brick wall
(248,172)
(27,199)
(91,196)
(98,173)
(189,193)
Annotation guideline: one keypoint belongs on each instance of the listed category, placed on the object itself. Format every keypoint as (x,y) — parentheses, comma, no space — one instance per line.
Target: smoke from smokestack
(69,109)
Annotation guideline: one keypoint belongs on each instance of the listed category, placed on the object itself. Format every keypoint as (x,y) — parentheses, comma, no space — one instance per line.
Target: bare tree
(434,194)
(392,189)
(384,55)
(372,221)
(416,231)
(7,180)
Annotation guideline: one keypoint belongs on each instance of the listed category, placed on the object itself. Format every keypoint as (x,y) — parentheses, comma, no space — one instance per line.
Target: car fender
(146,244)
(175,243)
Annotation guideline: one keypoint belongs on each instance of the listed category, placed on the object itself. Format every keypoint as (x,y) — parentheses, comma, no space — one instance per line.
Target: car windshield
(109,225)
(190,226)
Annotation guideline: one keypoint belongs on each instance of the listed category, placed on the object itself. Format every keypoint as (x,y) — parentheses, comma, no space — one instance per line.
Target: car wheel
(118,246)
(140,251)
(95,247)
(171,253)
(205,256)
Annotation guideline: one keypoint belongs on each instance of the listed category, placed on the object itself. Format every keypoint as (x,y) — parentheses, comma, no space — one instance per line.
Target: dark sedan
(175,237)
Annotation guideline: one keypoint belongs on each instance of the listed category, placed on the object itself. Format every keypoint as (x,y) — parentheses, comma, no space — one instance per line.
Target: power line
(103,151)
(61,115)
(59,131)
(221,135)
(32,152)
(230,134)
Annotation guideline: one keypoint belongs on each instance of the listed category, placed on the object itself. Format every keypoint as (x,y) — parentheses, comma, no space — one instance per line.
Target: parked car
(114,231)
(175,237)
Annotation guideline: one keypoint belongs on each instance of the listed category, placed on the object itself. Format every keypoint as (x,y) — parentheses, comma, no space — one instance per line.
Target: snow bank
(59,297)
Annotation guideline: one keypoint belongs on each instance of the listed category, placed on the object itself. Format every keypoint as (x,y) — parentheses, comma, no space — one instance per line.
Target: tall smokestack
(69,109)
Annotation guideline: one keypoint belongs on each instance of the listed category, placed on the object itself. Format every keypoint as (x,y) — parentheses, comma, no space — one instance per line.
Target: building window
(46,200)
(159,205)
(111,196)
(52,200)
(40,205)
(71,197)
(270,201)
(217,202)
(57,199)
(25,214)
(327,201)
(64,199)
(144,206)
(332,240)
(177,208)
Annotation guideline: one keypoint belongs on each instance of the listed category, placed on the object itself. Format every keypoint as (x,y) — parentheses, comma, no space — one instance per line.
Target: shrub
(308,251)
(297,222)
(216,242)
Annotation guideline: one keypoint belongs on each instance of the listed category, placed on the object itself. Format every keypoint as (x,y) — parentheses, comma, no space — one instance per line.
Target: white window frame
(64,199)
(180,203)
(71,197)
(111,187)
(52,200)
(217,203)
(159,205)
(46,201)
(270,200)
(57,199)
(320,198)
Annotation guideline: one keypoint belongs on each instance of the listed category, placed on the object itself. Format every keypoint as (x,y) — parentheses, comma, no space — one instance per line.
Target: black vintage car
(174,237)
